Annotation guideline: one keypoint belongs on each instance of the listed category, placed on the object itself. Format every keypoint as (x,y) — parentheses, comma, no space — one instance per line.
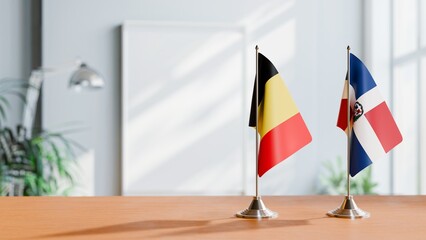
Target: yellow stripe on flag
(277,105)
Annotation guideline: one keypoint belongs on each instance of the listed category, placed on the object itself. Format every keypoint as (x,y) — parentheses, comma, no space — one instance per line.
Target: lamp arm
(31,100)
(59,69)
(83,76)
(33,93)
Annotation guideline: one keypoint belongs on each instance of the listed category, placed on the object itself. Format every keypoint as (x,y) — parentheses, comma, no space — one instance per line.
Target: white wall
(378,53)
(305,39)
(15,47)
(396,63)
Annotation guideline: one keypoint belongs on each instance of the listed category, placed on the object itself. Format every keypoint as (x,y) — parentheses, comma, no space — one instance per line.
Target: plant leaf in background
(10,88)
(36,165)
(41,164)
(333,180)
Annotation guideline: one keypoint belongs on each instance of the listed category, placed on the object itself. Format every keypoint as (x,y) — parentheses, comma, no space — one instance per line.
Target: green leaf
(333,179)
(47,161)
(30,181)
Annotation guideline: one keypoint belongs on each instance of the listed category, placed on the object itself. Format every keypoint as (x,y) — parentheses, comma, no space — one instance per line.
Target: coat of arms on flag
(374,131)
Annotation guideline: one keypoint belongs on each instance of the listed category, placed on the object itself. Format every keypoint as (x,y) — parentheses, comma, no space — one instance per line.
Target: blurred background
(172,117)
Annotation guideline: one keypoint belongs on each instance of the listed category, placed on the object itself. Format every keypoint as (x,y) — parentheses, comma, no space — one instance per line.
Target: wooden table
(301,217)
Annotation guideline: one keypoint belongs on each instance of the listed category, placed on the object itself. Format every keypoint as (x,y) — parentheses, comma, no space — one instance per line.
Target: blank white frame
(129,26)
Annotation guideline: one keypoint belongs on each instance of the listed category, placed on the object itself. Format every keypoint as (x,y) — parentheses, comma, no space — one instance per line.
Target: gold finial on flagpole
(257,208)
(348,209)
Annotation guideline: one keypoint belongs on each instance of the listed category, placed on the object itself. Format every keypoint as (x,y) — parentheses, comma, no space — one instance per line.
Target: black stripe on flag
(266,71)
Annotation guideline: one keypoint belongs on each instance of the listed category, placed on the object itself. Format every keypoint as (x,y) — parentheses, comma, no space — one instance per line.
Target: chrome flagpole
(257,208)
(257,121)
(348,209)
(348,112)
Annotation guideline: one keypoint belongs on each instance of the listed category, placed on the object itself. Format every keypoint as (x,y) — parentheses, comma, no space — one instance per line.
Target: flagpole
(348,208)
(257,121)
(257,208)
(348,149)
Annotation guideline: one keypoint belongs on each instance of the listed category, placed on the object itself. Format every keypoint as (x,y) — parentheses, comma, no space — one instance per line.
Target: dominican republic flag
(280,125)
(374,131)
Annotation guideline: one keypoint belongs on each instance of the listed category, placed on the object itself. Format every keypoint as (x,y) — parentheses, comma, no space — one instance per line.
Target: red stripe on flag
(282,141)
(342,119)
(384,126)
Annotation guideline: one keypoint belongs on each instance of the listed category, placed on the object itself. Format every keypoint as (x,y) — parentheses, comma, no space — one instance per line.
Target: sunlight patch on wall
(185,111)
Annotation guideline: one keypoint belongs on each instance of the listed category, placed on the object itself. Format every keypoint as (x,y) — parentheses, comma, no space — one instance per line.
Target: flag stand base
(348,209)
(257,209)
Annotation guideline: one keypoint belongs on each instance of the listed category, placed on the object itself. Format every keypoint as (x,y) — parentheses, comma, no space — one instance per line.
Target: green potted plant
(32,165)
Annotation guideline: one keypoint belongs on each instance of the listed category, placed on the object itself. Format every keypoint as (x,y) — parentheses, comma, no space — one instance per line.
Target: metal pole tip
(257,47)
(349,48)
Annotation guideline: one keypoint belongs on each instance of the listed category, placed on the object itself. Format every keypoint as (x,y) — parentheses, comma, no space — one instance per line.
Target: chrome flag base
(257,209)
(348,209)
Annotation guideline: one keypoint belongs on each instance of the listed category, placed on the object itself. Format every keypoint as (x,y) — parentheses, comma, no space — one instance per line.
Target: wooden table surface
(300,217)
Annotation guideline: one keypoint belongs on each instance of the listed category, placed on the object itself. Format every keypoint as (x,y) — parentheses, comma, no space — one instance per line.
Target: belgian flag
(281,127)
